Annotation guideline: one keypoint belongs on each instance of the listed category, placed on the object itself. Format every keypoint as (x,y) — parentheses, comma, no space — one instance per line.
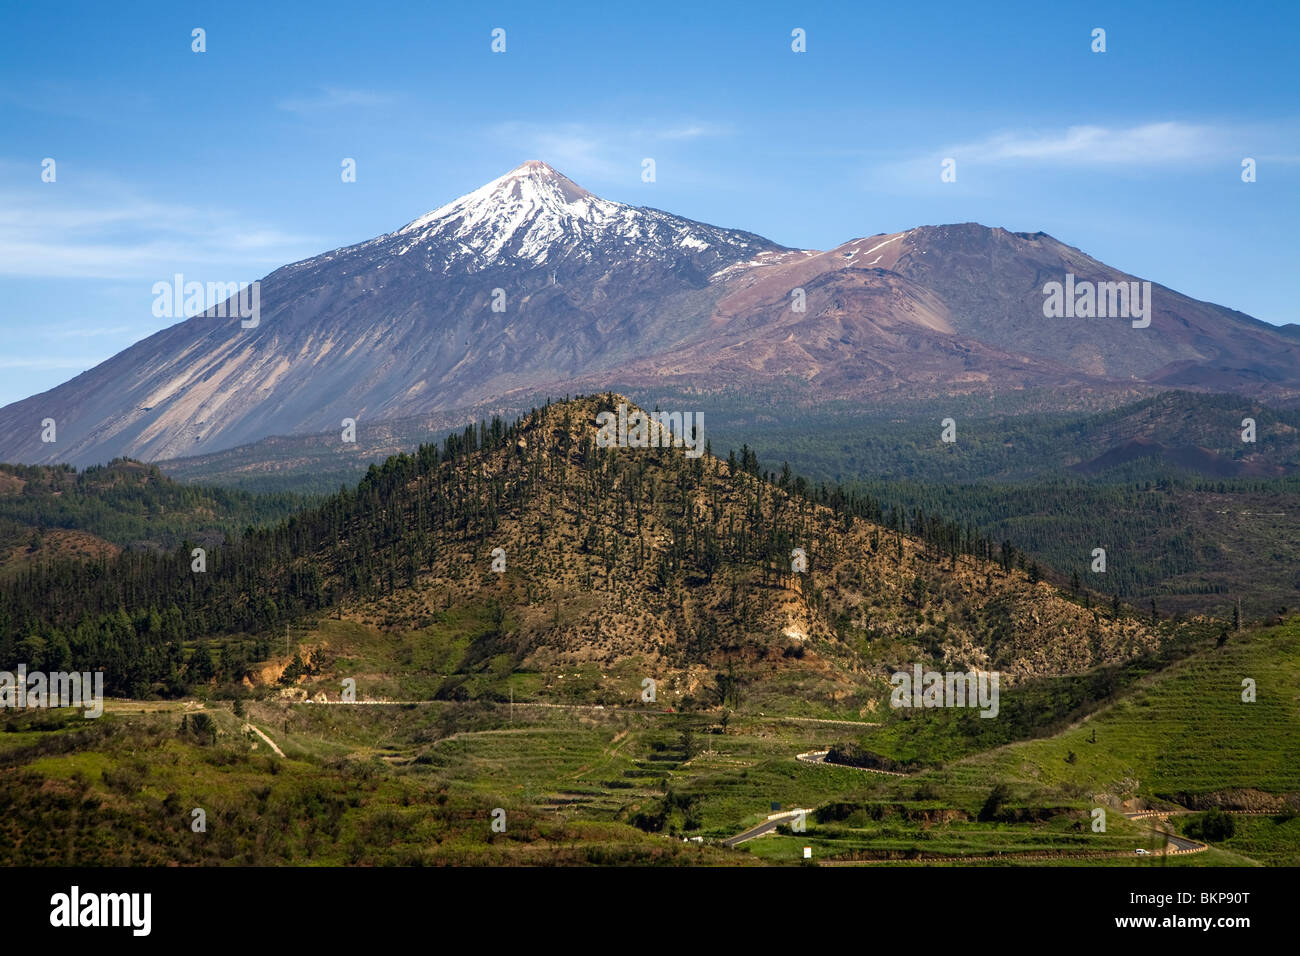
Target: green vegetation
(1273,840)
(418,783)
(128,504)
(1188,513)
(522,690)
(1213,826)
(1008,441)
(1196,531)
(909,739)
(645,526)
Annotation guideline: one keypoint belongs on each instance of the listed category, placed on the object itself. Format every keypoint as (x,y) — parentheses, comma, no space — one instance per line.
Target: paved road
(767,826)
(1175,844)
(1180,844)
(819,756)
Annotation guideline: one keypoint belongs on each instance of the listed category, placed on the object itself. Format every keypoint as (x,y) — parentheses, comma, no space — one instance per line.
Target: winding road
(1174,845)
(819,756)
(767,826)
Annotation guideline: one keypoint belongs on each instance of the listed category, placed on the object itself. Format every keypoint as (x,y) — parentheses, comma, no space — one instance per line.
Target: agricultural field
(418,783)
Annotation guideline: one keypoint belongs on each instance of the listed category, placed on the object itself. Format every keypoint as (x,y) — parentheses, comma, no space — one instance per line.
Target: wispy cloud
(88,102)
(334,98)
(689,131)
(1147,144)
(51,364)
(1160,145)
(599,150)
(572,148)
(88,331)
(123,236)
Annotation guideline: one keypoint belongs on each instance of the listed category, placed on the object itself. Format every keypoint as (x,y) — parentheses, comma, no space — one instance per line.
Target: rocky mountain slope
(622,557)
(531,284)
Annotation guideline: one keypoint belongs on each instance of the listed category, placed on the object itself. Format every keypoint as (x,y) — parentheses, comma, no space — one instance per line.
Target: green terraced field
(417,783)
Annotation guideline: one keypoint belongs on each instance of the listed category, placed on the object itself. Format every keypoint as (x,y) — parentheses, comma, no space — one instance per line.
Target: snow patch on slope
(535,214)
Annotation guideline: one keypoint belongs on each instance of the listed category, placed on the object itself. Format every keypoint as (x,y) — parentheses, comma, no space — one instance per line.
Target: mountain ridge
(597,555)
(531,283)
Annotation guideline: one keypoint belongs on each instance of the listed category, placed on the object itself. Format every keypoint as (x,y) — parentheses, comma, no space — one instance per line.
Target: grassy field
(1180,734)
(417,783)
(1272,840)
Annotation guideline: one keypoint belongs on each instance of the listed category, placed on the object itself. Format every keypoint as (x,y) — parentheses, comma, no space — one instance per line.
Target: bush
(1213,826)
(204,728)
(993,805)
(851,755)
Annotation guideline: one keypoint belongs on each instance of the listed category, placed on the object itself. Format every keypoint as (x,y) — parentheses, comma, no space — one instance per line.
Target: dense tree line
(133,614)
(106,613)
(847,442)
(127,503)
(1152,532)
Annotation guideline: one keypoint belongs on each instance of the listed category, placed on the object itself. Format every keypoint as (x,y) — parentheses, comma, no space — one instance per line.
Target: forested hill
(609,554)
(51,511)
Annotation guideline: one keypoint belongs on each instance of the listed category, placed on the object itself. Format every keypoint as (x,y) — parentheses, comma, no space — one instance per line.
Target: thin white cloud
(88,102)
(333,98)
(574,149)
(1163,144)
(122,237)
(48,364)
(88,331)
(599,151)
(1151,143)
(690,131)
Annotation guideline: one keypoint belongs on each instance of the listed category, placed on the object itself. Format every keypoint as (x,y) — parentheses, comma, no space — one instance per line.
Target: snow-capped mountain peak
(537,215)
(523,213)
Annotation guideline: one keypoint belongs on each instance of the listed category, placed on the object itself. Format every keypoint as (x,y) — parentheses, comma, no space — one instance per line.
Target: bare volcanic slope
(958,308)
(401,325)
(532,285)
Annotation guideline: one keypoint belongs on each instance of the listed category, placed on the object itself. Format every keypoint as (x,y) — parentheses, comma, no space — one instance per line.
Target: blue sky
(224,165)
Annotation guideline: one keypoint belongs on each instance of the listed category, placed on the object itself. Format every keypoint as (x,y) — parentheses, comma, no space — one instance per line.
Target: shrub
(851,755)
(1212,826)
(993,805)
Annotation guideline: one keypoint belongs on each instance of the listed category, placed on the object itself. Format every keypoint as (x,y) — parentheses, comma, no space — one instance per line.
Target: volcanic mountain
(531,283)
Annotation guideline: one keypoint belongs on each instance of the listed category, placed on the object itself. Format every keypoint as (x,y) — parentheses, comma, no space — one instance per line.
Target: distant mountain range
(531,283)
